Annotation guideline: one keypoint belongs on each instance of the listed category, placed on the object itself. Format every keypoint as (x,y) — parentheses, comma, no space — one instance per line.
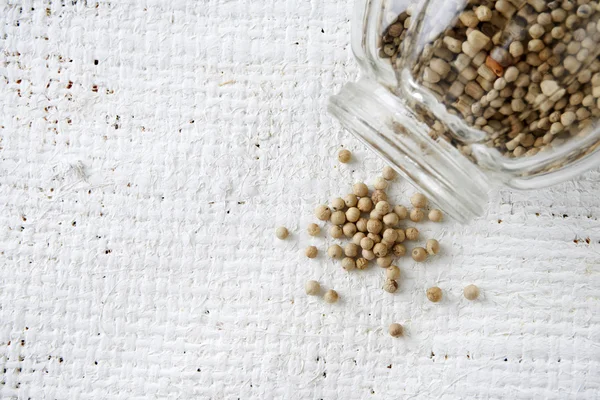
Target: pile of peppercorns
(371,224)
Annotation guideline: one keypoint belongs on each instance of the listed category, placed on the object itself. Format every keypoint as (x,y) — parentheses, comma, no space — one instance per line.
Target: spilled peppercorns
(372,226)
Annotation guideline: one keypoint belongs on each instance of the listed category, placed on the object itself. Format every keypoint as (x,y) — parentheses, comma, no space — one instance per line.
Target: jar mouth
(385,124)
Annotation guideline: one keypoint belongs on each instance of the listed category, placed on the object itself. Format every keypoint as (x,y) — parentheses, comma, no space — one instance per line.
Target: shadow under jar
(461,95)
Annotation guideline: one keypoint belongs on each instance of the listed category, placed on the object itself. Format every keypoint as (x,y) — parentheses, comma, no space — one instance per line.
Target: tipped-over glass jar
(458,95)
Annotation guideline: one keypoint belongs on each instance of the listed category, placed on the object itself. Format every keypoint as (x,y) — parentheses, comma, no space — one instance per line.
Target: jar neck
(387,125)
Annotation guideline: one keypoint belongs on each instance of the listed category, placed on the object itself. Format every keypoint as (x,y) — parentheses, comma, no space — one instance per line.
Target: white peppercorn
(416,214)
(401,236)
(335,251)
(312,288)
(380,250)
(338,218)
(368,254)
(380,184)
(436,215)
(418,200)
(322,213)
(360,189)
(412,233)
(358,236)
(362,263)
(471,292)
(390,285)
(281,232)
(313,229)
(349,229)
(392,272)
(383,207)
(311,252)
(388,173)
(338,204)
(365,204)
(336,232)
(351,200)
(378,195)
(344,156)
(390,235)
(331,296)
(432,246)
(434,294)
(391,219)
(374,226)
(419,254)
(399,250)
(353,214)
(395,330)
(401,212)
(384,262)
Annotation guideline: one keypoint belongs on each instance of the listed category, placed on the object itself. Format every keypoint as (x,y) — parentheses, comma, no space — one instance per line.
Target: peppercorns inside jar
(461,95)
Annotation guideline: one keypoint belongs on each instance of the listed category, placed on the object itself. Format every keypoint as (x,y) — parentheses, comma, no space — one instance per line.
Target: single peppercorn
(471,292)
(401,212)
(384,262)
(281,232)
(367,243)
(378,195)
(395,330)
(380,250)
(323,213)
(432,246)
(374,237)
(388,173)
(353,214)
(399,250)
(436,215)
(335,251)
(311,252)
(390,235)
(348,264)
(362,263)
(416,215)
(338,218)
(312,288)
(336,232)
(365,204)
(351,200)
(349,229)
(368,254)
(418,200)
(331,296)
(380,184)
(390,285)
(412,233)
(383,207)
(338,204)
(391,219)
(313,229)
(392,272)
(419,254)
(361,224)
(360,189)
(351,250)
(401,236)
(344,156)
(434,294)
(374,226)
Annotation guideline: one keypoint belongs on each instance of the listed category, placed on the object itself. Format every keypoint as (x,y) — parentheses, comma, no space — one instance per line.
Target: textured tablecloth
(148,149)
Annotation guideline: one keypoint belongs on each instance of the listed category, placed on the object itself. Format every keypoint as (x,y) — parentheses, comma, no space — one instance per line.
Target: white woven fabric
(149,148)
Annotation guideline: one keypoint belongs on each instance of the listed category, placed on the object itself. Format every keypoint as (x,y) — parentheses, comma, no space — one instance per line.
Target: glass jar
(459,96)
